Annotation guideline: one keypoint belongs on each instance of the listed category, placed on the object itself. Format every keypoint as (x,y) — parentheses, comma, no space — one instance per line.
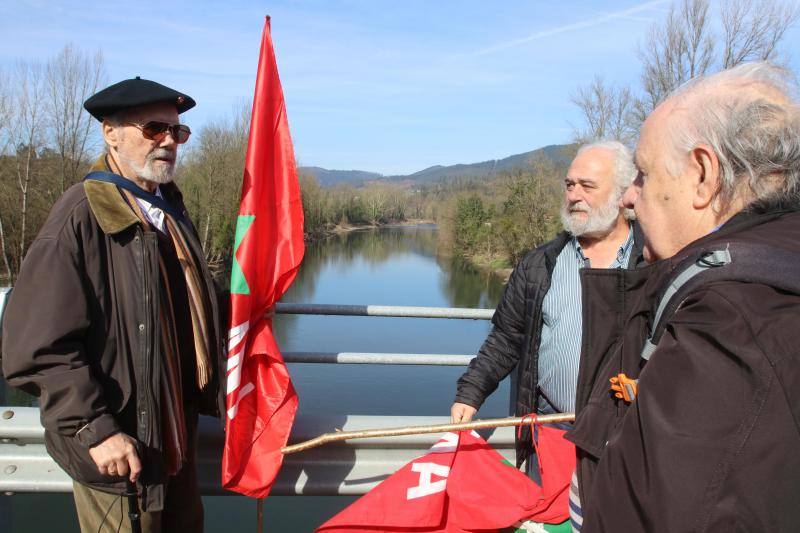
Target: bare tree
(528,215)
(681,47)
(375,198)
(752,30)
(677,50)
(211,179)
(607,112)
(70,78)
(5,113)
(26,135)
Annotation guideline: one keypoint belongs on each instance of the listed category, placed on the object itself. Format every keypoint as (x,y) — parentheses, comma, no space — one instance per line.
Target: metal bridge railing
(384,310)
(337,469)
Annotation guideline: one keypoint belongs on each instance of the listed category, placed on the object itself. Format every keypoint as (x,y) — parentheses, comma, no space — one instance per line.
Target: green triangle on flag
(238,281)
(539,527)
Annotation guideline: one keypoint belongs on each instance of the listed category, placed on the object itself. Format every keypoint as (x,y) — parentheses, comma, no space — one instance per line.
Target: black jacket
(516,333)
(81,332)
(711,442)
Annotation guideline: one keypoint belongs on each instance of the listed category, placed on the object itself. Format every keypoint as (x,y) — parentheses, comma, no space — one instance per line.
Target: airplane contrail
(569,27)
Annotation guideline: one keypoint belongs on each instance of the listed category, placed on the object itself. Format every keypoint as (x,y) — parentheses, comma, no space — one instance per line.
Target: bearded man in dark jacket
(114,323)
(536,327)
(709,440)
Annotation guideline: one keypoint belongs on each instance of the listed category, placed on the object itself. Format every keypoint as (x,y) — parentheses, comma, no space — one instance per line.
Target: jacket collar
(112,212)
(110,208)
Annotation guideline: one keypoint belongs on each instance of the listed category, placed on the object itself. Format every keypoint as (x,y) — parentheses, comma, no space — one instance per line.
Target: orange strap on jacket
(624,387)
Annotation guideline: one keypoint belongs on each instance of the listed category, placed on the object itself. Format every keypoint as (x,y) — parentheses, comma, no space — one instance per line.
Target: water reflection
(463,285)
(389,266)
(468,287)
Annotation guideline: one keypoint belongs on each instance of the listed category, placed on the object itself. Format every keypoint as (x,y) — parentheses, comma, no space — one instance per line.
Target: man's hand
(116,456)
(461,412)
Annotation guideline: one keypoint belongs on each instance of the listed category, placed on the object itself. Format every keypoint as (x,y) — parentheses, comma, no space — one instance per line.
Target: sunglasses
(156,131)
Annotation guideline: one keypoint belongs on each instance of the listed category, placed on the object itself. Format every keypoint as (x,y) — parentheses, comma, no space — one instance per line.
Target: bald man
(707,439)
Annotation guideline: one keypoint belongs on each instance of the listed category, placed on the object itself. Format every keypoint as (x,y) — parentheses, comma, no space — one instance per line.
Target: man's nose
(630,196)
(572,195)
(168,141)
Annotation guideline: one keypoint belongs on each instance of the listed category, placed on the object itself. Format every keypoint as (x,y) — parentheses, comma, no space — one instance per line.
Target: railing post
(6,520)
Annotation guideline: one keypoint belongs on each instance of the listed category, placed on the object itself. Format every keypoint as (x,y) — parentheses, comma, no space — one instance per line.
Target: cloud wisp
(625,13)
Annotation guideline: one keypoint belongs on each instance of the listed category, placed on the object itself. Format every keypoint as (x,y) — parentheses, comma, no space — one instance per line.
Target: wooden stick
(419,430)
(260,515)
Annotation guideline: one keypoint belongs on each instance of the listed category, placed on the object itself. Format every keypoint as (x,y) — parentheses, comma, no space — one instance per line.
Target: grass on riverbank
(344,227)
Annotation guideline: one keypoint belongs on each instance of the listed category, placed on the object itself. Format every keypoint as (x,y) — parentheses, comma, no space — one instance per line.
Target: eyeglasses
(156,131)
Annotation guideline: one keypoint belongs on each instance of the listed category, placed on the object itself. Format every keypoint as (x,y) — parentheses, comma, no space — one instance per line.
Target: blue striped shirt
(560,346)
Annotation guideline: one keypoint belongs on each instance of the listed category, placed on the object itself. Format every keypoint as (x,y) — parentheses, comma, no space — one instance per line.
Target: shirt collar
(621,253)
(626,246)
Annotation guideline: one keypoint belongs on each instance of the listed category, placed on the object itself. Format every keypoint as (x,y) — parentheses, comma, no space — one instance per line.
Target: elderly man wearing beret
(114,322)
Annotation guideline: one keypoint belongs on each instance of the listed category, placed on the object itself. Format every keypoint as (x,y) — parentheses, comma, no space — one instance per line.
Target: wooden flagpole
(419,430)
(260,515)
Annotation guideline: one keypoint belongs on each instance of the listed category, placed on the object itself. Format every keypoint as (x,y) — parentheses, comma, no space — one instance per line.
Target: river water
(388,266)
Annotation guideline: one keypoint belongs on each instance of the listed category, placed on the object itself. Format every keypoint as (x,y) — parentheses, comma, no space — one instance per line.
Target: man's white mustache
(161,153)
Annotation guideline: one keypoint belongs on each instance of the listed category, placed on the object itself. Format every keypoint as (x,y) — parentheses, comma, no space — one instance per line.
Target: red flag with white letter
(461,485)
(261,402)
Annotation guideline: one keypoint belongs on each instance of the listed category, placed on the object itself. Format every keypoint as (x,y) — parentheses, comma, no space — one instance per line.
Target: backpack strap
(708,260)
(738,261)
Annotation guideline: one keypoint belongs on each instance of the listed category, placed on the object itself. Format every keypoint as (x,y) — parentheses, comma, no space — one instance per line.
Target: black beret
(134,93)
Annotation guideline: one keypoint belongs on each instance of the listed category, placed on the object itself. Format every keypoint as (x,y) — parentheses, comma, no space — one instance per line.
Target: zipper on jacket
(146,415)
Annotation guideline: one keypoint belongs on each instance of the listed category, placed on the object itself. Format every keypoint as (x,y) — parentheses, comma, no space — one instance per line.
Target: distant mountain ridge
(557,153)
(329,178)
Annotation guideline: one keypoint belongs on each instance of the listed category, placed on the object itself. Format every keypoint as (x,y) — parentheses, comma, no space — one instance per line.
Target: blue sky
(390,87)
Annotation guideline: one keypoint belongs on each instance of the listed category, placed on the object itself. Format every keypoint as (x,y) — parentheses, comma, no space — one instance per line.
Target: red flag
(261,401)
(461,485)
(556,457)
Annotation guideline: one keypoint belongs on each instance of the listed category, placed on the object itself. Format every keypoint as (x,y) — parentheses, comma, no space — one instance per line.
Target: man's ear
(111,134)
(706,175)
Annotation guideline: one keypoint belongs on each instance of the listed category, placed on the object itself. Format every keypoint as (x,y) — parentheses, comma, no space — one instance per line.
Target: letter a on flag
(462,485)
(268,248)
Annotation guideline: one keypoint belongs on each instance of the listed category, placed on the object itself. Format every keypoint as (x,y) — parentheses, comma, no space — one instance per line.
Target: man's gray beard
(598,223)
(149,172)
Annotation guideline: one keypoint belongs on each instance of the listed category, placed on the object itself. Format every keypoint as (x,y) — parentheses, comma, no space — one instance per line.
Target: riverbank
(491,264)
(496,264)
(342,228)
(345,228)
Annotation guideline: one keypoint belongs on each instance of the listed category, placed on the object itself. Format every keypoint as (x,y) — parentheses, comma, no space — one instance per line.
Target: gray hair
(118,117)
(624,169)
(750,118)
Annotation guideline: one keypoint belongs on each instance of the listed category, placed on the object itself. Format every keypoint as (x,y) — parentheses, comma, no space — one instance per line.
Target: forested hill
(329,178)
(556,153)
